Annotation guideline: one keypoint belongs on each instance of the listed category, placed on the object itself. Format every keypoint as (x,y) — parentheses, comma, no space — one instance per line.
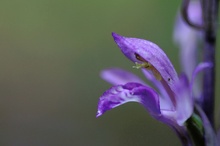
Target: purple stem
(210,12)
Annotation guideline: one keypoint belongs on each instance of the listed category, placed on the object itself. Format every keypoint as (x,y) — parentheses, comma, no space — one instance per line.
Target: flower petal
(152,79)
(165,101)
(197,91)
(148,53)
(130,92)
(202,66)
(117,76)
(184,100)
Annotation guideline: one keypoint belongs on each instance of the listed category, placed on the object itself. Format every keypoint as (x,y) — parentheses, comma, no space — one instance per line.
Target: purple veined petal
(165,101)
(130,92)
(199,68)
(117,76)
(184,100)
(143,51)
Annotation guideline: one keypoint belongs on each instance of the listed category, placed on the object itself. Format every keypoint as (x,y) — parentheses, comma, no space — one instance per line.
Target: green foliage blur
(51,54)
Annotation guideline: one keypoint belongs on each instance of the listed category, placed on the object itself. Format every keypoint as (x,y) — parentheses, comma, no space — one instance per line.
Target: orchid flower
(172,104)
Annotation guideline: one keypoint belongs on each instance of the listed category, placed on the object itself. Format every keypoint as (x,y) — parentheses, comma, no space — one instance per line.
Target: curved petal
(130,92)
(148,54)
(184,100)
(117,76)
(202,66)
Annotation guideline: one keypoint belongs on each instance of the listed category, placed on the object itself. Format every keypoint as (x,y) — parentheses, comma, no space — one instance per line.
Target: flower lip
(130,92)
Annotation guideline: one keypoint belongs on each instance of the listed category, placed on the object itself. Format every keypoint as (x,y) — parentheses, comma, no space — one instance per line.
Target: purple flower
(172,104)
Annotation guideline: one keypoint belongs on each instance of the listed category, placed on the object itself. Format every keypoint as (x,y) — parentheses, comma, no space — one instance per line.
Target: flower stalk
(210,14)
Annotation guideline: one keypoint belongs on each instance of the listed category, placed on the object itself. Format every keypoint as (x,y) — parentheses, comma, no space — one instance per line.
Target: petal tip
(98,114)
(116,36)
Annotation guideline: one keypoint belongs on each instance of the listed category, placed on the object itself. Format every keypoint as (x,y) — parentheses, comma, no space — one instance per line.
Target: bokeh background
(51,54)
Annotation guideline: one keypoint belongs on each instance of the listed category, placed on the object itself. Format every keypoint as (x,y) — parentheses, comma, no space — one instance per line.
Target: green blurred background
(51,54)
